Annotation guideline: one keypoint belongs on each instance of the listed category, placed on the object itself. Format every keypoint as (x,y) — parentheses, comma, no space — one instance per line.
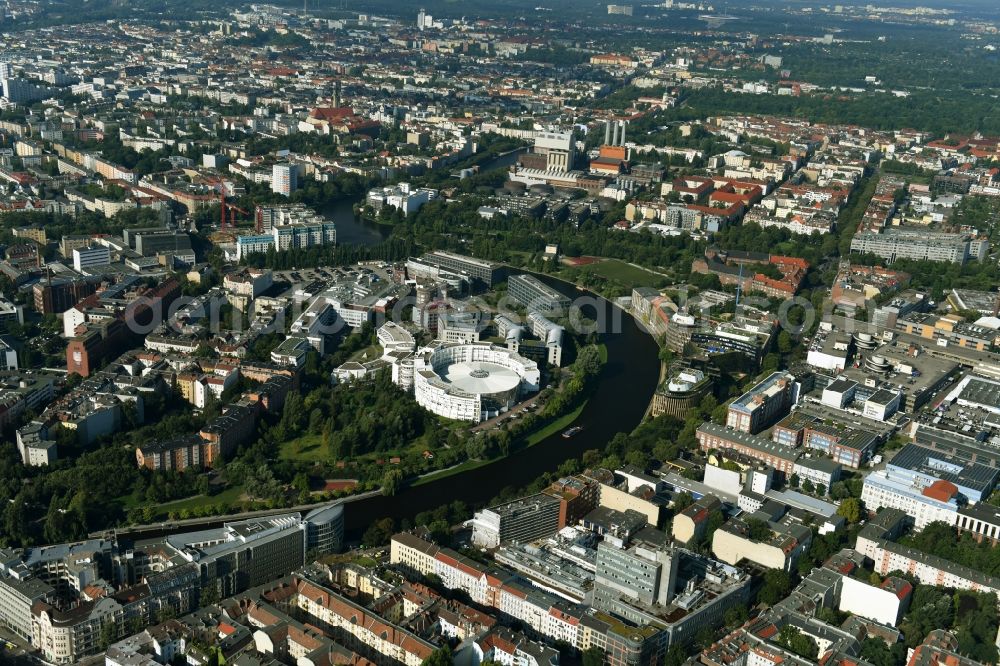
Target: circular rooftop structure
(480,377)
(471,382)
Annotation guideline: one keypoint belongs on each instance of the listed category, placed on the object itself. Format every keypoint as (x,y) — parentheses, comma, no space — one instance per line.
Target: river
(353,230)
(625,387)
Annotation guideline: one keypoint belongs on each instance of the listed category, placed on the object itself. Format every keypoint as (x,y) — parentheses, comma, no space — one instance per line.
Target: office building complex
(402,197)
(642,573)
(535,295)
(93,255)
(522,521)
(763,404)
(929,486)
(486,273)
(471,382)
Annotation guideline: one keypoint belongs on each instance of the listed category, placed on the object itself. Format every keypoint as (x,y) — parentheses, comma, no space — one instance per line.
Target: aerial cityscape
(509,333)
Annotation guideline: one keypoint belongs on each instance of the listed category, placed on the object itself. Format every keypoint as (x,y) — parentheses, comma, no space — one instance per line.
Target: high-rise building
(645,573)
(284,179)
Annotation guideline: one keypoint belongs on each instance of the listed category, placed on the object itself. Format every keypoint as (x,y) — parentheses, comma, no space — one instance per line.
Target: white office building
(471,382)
(94,255)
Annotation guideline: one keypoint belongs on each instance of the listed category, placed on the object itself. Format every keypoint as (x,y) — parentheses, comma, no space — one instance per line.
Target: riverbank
(617,403)
(555,426)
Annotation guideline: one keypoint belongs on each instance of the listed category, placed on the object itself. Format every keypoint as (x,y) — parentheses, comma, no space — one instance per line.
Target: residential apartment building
(920,244)
(284,179)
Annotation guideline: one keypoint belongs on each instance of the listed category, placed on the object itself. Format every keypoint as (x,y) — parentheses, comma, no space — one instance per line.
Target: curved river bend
(625,387)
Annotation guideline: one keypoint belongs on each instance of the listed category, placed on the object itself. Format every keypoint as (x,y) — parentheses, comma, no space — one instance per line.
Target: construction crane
(233,209)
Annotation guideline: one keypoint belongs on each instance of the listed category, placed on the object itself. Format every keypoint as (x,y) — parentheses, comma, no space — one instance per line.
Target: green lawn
(555,426)
(307,448)
(367,354)
(622,273)
(228,496)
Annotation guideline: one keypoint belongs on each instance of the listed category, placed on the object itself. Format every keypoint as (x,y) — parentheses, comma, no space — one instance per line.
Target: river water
(352,230)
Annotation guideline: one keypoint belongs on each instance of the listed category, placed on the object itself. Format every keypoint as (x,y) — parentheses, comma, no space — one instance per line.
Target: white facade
(881,490)
(401,197)
(874,603)
(926,569)
(8,357)
(94,255)
(253,244)
(251,283)
(284,179)
(476,395)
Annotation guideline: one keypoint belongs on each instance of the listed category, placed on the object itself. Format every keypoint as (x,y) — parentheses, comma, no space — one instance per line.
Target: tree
(735,616)
(850,509)
(877,653)
(785,343)
(440,657)
(801,644)
(392,481)
(588,361)
(209,595)
(758,530)
(777,585)
(475,447)
(593,656)
(676,655)
(682,501)
(379,532)
(109,632)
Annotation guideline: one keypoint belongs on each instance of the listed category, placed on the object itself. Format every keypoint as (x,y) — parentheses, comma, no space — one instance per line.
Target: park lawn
(622,273)
(131,501)
(228,497)
(452,471)
(307,448)
(367,354)
(518,257)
